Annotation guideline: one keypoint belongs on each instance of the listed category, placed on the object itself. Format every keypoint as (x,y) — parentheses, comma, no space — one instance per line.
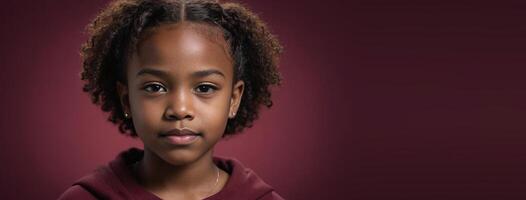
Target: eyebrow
(197,74)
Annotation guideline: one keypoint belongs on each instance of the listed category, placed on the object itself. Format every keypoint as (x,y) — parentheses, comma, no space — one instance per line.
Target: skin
(175,97)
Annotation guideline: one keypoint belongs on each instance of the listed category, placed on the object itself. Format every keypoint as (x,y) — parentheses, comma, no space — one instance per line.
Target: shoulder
(76,192)
(105,182)
(111,181)
(271,196)
(243,182)
(90,186)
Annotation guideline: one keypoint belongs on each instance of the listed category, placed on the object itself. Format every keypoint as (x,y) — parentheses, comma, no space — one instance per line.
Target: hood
(115,181)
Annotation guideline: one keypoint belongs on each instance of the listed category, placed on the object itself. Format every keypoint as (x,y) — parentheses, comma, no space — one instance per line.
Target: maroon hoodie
(115,181)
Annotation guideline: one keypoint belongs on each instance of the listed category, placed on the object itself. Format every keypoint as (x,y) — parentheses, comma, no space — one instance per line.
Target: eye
(153,88)
(205,89)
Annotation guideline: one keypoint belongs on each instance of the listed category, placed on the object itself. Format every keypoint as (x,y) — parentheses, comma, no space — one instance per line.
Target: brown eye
(205,89)
(153,88)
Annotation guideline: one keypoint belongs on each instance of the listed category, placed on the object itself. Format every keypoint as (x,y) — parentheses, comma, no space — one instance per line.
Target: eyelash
(208,86)
(150,86)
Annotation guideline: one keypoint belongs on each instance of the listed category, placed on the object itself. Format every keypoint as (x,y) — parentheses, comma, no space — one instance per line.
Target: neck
(159,176)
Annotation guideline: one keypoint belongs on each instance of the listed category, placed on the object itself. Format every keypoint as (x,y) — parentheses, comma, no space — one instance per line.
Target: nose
(179,106)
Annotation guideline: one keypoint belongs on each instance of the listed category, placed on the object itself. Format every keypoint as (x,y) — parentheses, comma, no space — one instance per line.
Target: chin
(179,157)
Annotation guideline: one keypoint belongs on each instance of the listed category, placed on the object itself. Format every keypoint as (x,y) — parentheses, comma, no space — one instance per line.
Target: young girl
(180,75)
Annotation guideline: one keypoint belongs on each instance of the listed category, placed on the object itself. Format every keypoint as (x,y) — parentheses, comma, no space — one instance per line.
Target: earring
(126,115)
(232,115)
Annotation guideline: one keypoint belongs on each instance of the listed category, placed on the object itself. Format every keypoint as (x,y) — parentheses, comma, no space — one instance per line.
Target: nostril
(171,117)
(175,116)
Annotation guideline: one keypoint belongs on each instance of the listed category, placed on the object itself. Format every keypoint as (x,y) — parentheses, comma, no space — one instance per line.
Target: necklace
(136,165)
(215,185)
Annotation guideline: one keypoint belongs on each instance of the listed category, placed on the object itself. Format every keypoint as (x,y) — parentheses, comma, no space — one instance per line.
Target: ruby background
(398,99)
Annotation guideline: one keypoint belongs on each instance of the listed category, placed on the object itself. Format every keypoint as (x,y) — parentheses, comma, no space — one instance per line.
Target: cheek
(213,112)
(147,113)
(210,114)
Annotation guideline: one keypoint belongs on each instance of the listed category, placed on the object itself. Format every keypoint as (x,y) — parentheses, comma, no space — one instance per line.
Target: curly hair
(118,28)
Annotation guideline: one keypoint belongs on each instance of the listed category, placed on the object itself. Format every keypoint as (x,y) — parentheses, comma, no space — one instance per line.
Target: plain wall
(383,99)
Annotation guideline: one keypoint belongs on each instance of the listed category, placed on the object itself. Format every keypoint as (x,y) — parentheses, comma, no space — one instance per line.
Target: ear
(122,91)
(235,100)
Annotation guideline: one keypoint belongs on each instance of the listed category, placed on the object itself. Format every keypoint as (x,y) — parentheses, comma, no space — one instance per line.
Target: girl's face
(180,91)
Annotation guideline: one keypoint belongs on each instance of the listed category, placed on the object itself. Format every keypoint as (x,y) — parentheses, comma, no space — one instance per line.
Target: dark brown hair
(117,29)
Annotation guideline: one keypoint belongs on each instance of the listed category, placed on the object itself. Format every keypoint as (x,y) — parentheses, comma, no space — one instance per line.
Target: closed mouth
(179,132)
(180,137)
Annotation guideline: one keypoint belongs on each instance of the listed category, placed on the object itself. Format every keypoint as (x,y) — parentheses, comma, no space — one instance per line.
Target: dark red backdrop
(384,99)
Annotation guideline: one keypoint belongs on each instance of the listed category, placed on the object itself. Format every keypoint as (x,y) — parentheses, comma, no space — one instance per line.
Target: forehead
(184,46)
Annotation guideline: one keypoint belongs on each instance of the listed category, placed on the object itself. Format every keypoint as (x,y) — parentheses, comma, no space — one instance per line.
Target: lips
(180,136)
(179,132)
